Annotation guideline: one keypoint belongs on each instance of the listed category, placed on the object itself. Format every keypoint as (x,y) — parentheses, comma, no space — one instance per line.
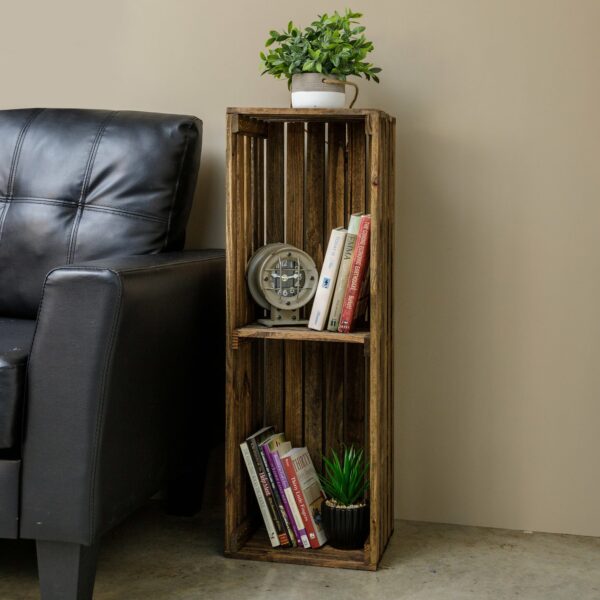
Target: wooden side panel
(313,244)
(377,320)
(333,354)
(239,311)
(274,350)
(294,234)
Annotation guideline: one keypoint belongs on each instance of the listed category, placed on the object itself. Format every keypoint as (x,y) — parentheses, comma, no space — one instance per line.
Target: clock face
(287,277)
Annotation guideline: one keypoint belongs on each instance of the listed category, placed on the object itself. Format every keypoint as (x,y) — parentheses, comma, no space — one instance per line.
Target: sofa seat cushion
(16,336)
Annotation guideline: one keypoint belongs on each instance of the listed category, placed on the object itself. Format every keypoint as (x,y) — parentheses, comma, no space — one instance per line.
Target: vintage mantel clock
(282,279)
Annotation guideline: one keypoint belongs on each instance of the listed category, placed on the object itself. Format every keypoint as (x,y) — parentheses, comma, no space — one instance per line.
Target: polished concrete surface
(153,556)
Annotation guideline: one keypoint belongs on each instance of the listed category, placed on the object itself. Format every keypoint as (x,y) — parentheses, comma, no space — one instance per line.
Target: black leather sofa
(111,336)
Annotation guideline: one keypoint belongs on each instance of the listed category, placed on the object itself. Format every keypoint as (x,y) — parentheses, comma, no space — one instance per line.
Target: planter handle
(338,81)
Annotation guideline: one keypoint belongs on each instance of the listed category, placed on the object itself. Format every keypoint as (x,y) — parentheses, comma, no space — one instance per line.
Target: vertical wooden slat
(258,237)
(333,354)
(357,162)
(356,375)
(274,351)
(294,234)
(313,244)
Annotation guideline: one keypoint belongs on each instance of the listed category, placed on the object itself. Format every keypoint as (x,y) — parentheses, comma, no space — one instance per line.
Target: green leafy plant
(333,45)
(345,478)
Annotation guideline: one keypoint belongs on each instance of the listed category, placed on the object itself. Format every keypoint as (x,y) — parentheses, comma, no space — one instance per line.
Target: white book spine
(327,279)
(342,280)
(262,503)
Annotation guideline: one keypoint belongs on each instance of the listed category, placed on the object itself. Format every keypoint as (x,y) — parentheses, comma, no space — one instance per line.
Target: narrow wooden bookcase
(293,176)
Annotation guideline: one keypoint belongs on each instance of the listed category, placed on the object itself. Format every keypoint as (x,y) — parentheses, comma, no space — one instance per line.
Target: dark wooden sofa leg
(66,571)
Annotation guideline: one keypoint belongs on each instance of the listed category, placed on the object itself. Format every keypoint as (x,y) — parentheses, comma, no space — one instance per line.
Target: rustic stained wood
(275,200)
(294,175)
(333,354)
(314,226)
(294,234)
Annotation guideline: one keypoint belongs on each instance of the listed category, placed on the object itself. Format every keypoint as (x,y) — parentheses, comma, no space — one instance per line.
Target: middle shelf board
(303,334)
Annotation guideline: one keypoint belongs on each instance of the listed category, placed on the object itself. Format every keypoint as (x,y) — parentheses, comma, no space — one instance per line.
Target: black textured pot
(346,528)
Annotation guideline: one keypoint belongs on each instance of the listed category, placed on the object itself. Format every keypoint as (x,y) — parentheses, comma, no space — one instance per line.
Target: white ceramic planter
(310,90)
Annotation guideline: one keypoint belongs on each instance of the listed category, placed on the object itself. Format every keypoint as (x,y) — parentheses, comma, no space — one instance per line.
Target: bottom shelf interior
(258,547)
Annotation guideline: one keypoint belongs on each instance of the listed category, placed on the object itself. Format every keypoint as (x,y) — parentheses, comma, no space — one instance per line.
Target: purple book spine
(282,478)
(278,473)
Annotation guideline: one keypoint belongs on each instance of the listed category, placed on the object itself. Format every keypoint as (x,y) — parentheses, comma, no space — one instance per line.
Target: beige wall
(498,270)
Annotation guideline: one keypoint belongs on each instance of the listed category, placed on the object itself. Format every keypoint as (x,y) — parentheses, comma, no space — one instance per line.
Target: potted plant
(318,60)
(345,512)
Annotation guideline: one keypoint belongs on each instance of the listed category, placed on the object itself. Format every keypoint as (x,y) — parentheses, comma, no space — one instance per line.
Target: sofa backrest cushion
(80,185)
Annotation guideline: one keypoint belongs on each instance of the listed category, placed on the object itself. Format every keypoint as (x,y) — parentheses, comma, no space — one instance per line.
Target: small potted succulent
(345,512)
(318,60)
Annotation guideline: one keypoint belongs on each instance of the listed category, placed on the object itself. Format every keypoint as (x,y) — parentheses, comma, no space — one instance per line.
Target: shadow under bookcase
(293,176)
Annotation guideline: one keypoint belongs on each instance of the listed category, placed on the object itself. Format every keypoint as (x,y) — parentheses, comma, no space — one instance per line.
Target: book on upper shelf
(343,273)
(357,279)
(327,280)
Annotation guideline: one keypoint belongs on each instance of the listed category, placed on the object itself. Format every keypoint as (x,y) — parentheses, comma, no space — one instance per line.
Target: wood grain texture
(294,234)
(376,419)
(356,397)
(301,334)
(313,244)
(322,115)
(333,355)
(259,548)
(258,239)
(274,351)
(239,311)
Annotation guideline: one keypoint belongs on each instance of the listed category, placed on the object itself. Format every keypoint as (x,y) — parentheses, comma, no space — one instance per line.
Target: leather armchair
(111,336)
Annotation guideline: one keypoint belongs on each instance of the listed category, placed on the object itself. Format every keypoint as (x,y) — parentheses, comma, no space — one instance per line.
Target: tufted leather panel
(79,185)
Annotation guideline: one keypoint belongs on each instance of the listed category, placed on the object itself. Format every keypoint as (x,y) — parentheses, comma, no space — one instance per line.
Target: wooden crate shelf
(293,176)
(300,334)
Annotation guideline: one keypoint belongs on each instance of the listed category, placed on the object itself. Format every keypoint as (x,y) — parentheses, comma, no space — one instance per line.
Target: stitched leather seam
(14,163)
(176,188)
(100,412)
(17,152)
(193,261)
(96,207)
(85,183)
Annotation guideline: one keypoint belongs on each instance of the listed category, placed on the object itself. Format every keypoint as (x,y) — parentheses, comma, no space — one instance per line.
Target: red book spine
(299,496)
(358,269)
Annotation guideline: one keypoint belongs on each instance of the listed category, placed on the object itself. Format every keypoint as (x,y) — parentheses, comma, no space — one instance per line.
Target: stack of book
(343,290)
(287,488)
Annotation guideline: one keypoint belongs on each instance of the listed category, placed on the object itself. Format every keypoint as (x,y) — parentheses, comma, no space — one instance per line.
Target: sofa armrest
(120,347)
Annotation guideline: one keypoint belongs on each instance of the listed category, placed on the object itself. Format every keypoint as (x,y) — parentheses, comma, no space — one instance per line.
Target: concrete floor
(155,557)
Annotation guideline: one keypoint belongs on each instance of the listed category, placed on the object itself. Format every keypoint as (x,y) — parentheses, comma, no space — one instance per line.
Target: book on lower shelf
(263,475)
(287,489)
